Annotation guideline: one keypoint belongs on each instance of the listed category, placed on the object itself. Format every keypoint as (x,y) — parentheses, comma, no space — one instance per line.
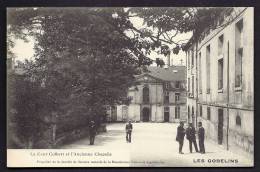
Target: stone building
(158,96)
(220,80)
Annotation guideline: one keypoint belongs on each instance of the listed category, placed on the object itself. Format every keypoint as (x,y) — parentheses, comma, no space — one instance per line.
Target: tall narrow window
(192,57)
(208,67)
(188,85)
(200,79)
(177,84)
(239,53)
(238,120)
(166,97)
(192,86)
(220,73)
(177,97)
(208,113)
(177,112)
(220,45)
(188,113)
(200,110)
(167,85)
(146,95)
(188,58)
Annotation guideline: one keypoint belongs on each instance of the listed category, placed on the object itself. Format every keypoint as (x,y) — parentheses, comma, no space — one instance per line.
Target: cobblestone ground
(153,144)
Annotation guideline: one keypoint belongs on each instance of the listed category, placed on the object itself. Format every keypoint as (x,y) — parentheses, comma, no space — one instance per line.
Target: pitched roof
(172,73)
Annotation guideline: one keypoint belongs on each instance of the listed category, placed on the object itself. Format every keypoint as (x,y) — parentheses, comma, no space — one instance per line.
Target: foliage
(85,58)
(27,105)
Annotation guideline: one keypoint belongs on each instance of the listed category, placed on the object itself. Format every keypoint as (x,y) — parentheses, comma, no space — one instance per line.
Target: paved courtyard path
(153,144)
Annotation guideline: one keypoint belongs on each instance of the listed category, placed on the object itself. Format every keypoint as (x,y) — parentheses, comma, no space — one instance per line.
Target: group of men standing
(190,133)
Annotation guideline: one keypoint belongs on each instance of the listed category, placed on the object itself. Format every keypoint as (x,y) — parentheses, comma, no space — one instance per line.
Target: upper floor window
(188,113)
(192,86)
(200,110)
(166,97)
(238,121)
(188,83)
(200,79)
(166,109)
(177,112)
(188,58)
(220,44)
(167,85)
(177,84)
(145,94)
(220,73)
(177,97)
(208,113)
(239,52)
(208,67)
(192,57)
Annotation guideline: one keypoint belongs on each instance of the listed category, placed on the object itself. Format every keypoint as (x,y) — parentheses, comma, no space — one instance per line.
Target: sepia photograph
(130,86)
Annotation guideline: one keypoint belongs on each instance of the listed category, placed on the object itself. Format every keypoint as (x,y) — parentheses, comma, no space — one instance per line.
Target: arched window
(145,94)
(238,121)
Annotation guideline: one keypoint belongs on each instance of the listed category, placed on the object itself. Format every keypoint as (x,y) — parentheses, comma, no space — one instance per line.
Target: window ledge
(238,88)
(220,90)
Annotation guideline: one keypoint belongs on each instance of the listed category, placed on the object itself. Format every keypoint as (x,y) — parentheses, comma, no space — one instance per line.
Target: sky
(24,50)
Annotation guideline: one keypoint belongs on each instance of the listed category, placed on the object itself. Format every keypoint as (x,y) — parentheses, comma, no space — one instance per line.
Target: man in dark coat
(190,135)
(128,129)
(180,136)
(201,135)
(92,132)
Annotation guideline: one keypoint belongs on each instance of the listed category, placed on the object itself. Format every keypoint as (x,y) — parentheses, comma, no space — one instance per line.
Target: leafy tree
(85,58)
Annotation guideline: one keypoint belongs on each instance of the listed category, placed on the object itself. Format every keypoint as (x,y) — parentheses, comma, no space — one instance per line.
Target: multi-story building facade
(159,95)
(220,78)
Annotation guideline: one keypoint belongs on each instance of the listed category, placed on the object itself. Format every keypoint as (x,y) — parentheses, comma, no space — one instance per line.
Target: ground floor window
(208,113)
(200,110)
(166,114)
(177,112)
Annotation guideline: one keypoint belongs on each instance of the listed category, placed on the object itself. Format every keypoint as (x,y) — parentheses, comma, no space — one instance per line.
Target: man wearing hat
(190,135)
(201,135)
(92,132)
(180,136)
(128,128)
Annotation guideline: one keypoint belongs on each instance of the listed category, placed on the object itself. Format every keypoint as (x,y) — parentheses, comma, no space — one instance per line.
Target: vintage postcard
(130,87)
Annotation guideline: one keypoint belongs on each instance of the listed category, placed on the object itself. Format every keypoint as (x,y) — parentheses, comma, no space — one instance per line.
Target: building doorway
(166,114)
(113,113)
(220,126)
(146,114)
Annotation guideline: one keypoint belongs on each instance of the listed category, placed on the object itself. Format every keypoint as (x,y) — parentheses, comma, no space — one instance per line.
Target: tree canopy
(86,58)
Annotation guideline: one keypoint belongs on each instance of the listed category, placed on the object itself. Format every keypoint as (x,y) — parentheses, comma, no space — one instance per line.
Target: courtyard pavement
(154,145)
